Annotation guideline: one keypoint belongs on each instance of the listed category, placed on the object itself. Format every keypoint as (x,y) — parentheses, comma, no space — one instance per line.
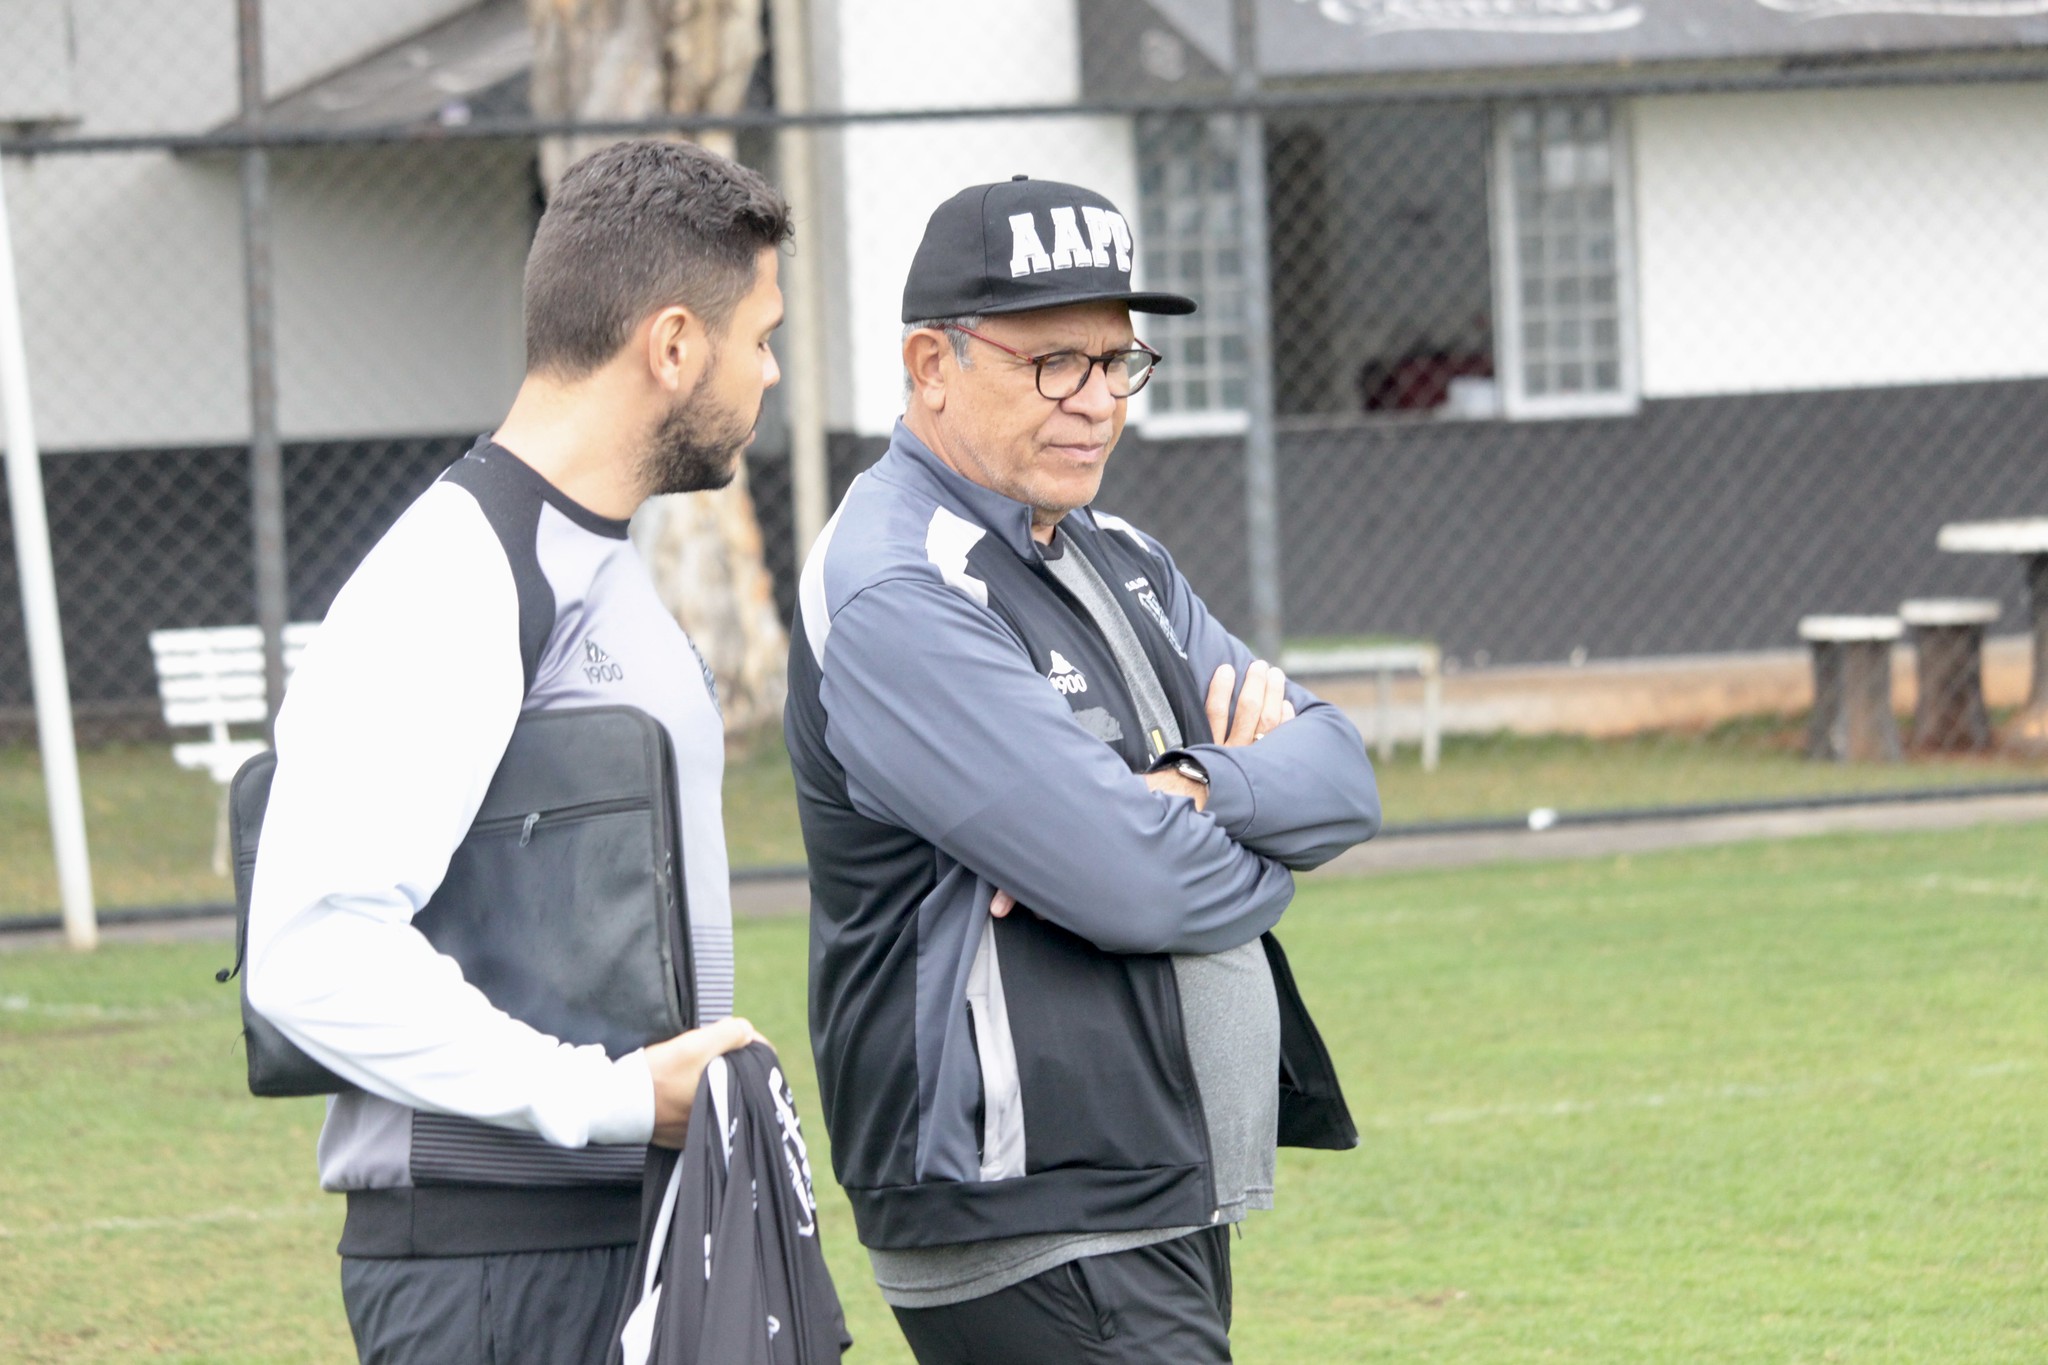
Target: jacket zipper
(1187,1062)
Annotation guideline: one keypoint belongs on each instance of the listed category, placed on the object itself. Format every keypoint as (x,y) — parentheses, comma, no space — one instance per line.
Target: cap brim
(1140,301)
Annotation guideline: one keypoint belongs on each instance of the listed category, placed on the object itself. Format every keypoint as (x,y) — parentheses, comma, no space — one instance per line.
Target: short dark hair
(638,227)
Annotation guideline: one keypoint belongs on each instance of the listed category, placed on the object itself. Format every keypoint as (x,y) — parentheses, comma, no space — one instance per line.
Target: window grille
(1562,252)
(1188,243)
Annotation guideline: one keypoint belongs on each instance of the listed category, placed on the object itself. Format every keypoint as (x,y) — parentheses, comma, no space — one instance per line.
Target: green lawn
(1765,1103)
(1756,760)
(150,825)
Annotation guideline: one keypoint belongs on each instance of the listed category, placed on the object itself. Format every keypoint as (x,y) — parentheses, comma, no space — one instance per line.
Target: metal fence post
(266,456)
(1261,477)
(51,683)
(809,475)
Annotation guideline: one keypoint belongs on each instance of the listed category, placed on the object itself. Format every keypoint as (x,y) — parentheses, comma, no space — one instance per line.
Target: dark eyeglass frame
(1105,360)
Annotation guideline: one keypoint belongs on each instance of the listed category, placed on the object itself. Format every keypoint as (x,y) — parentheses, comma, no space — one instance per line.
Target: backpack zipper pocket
(525,824)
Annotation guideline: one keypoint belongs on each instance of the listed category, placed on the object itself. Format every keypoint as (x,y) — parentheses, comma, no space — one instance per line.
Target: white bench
(2027,538)
(1948,650)
(1852,688)
(1383,661)
(211,678)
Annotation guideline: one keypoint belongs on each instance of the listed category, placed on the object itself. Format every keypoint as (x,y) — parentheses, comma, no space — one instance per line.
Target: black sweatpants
(1167,1304)
(525,1308)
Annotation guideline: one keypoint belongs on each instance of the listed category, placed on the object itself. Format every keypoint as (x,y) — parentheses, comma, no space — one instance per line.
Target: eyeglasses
(1062,374)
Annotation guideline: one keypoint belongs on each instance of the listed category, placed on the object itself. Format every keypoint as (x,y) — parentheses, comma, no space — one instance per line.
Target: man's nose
(1094,400)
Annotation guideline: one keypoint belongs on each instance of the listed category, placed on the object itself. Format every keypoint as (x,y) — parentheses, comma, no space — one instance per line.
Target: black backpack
(564,904)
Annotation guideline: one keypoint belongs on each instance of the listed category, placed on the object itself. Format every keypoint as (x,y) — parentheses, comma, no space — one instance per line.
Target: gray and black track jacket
(957,725)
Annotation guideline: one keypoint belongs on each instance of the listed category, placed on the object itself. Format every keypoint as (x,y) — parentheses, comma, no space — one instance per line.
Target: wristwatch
(1188,768)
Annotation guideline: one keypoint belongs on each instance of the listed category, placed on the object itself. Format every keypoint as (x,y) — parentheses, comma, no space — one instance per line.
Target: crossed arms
(943,729)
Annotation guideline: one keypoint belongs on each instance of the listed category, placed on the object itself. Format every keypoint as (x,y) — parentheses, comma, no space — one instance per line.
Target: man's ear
(676,348)
(924,360)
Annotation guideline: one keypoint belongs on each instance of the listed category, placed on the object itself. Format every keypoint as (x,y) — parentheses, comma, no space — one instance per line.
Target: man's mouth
(1090,452)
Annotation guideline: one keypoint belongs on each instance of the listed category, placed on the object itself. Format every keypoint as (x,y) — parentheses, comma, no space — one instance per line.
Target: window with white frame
(1188,244)
(1562,253)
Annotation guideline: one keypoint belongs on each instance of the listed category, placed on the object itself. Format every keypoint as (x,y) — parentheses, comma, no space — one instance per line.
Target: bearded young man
(492,1172)
(1052,807)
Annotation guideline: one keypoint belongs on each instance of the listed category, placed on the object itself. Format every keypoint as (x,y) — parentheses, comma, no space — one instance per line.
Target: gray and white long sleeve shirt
(471,1131)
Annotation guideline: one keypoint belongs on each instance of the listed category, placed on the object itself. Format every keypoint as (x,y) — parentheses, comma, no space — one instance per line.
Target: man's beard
(698,444)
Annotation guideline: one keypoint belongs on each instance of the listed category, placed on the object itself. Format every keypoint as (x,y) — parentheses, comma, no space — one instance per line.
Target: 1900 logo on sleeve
(598,666)
(1066,679)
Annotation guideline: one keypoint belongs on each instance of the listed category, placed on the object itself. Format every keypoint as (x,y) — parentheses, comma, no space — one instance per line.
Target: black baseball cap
(1023,244)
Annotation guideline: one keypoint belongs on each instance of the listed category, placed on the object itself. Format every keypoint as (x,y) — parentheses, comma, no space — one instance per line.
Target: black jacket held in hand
(957,724)
(729,1230)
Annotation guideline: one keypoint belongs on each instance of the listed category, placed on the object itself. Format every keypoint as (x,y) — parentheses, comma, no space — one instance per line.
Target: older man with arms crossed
(1046,851)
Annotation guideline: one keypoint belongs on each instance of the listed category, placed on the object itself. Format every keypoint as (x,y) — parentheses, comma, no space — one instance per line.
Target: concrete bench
(1852,688)
(2027,539)
(1383,662)
(211,678)
(1948,650)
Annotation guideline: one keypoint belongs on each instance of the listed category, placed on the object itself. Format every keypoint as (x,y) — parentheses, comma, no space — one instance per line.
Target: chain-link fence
(1593,371)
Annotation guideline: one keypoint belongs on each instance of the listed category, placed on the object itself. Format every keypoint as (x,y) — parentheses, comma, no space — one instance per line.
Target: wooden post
(810,478)
(2028,731)
(1948,647)
(2026,537)
(1852,688)
(1870,729)
(1827,700)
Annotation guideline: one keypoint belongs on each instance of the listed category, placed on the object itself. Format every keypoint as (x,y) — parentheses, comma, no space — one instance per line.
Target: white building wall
(397,270)
(398,288)
(35,61)
(1835,239)
(152,66)
(898,54)
(145,66)
(304,40)
(131,292)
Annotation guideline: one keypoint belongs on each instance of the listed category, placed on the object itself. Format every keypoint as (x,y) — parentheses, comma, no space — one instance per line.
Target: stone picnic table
(2027,538)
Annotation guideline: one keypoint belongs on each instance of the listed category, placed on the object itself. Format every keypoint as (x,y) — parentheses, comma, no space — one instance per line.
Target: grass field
(1765,1103)
(150,825)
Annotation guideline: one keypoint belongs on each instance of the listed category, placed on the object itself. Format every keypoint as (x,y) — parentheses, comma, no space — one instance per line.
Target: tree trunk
(625,59)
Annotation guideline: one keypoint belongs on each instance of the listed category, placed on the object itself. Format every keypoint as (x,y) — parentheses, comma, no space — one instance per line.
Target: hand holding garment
(729,1270)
